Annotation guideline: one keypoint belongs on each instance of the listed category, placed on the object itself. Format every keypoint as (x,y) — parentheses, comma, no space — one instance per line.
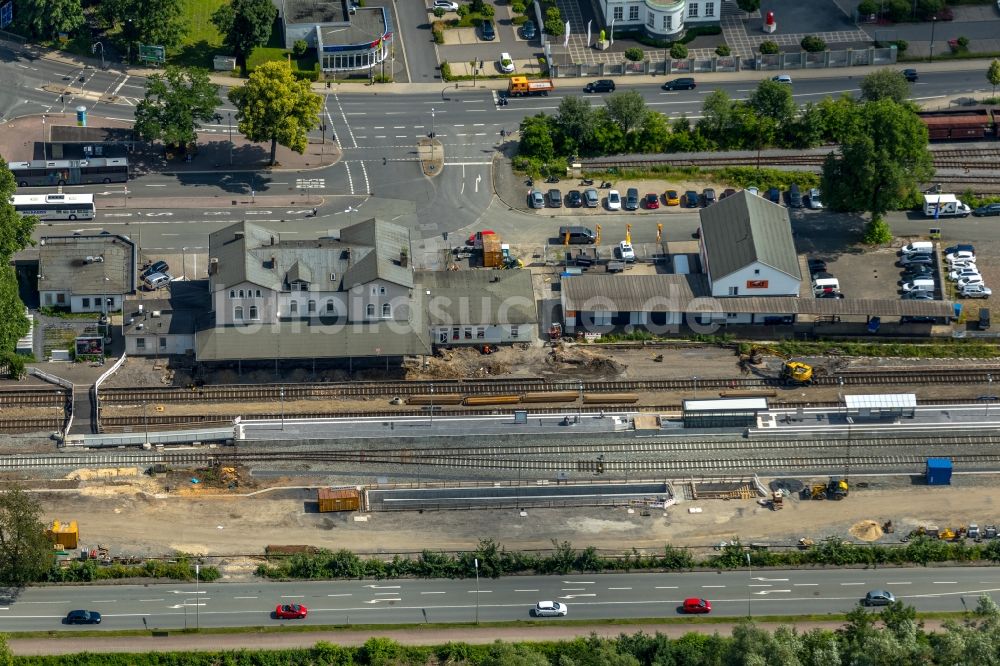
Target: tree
(867,7)
(275,106)
(813,44)
(536,138)
(767,47)
(634,53)
(678,51)
(575,123)
(885,84)
(25,550)
(654,133)
(879,166)
(627,109)
(45,19)
(158,22)
(993,75)
(15,235)
(748,6)
(245,24)
(6,656)
(175,102)
(774,100)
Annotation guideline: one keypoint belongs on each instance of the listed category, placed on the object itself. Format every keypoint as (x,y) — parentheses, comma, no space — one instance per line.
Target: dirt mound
(577,357)
(866,530)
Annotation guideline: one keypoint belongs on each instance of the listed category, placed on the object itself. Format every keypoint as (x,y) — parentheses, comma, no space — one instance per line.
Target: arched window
(293,307)
(238,312)
(232,293)
(386,311)
(253,312)
(370,309)
(241,293)
(257,294)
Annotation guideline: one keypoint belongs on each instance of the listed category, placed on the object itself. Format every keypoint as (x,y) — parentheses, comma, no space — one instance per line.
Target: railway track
(975,159)
(38,424)
(274,392)
(33,397)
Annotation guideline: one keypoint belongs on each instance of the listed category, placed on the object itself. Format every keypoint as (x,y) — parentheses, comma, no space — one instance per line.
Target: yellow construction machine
(797,372)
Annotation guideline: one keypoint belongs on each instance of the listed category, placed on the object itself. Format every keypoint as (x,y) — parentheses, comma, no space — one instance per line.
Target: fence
(95,397)
(66,384)
(775,62)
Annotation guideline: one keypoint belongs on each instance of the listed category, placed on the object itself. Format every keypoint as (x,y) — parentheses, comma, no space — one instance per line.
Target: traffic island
(431,153)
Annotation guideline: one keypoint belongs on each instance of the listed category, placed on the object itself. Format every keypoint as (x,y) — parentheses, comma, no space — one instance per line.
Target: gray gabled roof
(298,272)
(745,228)
(231,246)
(388,241)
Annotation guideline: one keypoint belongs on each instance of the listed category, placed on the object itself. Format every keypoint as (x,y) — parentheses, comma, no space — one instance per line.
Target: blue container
(81,116)
(938,471)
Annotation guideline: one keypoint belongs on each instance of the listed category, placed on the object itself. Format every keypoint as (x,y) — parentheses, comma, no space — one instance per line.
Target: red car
(652,201)
(290,611)
(695,606)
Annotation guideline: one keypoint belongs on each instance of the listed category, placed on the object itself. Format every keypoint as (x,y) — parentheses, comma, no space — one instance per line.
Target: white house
(660,19)
(479,307)
(86,273)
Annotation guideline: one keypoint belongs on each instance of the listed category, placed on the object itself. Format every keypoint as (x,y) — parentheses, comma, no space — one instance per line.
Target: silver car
(879,598)
(549,609)
(537,199)
(591,198)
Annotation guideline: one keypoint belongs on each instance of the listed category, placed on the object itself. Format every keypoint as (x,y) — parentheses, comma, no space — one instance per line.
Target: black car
(574,199)
(83,617)
(708,196)
(822,275)
(794,196)
(690,199)
(960,247)
(489,32)
(911,275)
(600,86)
(632,199)
(987,210)
(910,75)
(816,265)
(555,198)
(157,267)
(774,195)
(685,83)
(831,294)
(528,30)
(918,295)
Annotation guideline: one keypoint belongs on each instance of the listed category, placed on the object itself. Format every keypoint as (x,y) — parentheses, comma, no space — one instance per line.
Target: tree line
(891,637)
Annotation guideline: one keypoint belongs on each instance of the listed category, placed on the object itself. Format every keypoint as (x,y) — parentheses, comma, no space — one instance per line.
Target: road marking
(771,591)
(805,584)
(783,580)
(666,587)
(576,596)
(375,601)
(945,582)
(760,585)
(399,127)
(339,595)
(619,588)
(526,590)
(479,124)
(714,586)
(433,593)
(577,582)
(383,587)
(103,601)
(386,594)
(573,589)
(486,164)
(909,583)
(852,583)
(154,185)
(292,596)
(480,591)
(244,597)
(152,599)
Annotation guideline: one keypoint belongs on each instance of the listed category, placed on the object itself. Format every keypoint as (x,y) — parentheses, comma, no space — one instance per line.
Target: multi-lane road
(588,596)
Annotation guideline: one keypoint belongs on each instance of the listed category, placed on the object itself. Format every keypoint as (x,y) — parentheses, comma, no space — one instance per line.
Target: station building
(661,19)
(347,38)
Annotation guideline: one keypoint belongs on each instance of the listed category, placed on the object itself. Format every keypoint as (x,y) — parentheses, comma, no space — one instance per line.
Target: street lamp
(749,592)
(184,256)
(477,590)
(282,393)
(197,602)
(432,122)
(933,25)
(45,153)
(93,49)
(695,378)
(432,405)
(230,114)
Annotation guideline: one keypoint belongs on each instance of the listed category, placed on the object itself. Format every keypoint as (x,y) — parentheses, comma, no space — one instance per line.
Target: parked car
(555,198)
(652,201)
(549,609)
(528,30)
(446,5)
(631,199)
(971,279)
(984,318)
(672,198)
(754,191)
(920,284)
(156,280)
(591,198)
(988,209)
(82,617)
(794,196)
(614,200)
(574,199)
(782,78)
(916,272)
(626,251)
(690,199)
(815,200)
(960,255)
(708,196)
(918,295)
(774,195)
(156,267)
(816,266)
(951,249)
(910,75)
(830,294)
(536,199)
(696,606)
(683,83)
(878,598)
(489,33)
(964,272)
(975,291)
(911,259)
(290,611)
(600,86)
(728,192)
(506,63)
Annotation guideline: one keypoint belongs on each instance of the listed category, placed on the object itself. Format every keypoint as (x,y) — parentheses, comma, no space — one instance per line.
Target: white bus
(55,206)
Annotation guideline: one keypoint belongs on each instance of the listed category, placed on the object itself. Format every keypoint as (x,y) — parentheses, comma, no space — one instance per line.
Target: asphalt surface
(588,596)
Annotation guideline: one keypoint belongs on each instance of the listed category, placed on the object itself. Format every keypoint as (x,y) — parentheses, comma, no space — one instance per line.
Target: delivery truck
(944,205)
(520,86)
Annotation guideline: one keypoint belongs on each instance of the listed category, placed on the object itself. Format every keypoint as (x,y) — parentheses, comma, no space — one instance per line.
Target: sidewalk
(533,632)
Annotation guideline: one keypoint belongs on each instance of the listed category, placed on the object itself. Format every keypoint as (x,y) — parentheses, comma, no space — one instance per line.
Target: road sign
(6,14)
(157,54)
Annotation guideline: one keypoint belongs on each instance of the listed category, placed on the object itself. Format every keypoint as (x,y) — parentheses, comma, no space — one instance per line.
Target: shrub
(868,7)
(553,13)
(634,54)
(812,44)
(963,43)
(488,11)
(769,48)
(901,46)
(877,232)
(899,10)
(555,27)
(723,50)
(517,7)
(678,51)
(439,12)
(437,29)
(299,48)
(445,71)
(463,11)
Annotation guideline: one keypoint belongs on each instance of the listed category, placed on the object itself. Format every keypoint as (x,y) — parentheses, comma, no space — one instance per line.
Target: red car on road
(695,606)
(290,611)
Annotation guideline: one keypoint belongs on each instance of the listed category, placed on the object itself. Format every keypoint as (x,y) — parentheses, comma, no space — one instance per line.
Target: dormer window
(333,277)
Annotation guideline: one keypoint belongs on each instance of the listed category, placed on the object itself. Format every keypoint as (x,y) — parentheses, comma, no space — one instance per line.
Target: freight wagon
(960,124)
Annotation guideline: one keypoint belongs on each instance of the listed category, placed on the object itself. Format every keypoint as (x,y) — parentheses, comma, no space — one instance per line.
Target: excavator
(797,372)
(836,489)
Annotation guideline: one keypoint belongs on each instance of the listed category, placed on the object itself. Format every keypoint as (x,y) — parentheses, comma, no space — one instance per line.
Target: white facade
(473,334)
(80,303)
(755,279)
(153,344)
(663,19)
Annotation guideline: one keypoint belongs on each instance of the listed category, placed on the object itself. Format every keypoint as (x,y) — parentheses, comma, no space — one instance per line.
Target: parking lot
(465,45)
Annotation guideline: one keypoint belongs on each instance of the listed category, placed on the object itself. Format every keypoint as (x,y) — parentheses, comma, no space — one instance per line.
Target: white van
(682,266)
(824,285)
(922,284)
(917,247)
(156,280)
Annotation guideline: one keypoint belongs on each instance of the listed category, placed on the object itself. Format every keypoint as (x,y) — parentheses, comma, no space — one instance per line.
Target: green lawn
(201,41)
